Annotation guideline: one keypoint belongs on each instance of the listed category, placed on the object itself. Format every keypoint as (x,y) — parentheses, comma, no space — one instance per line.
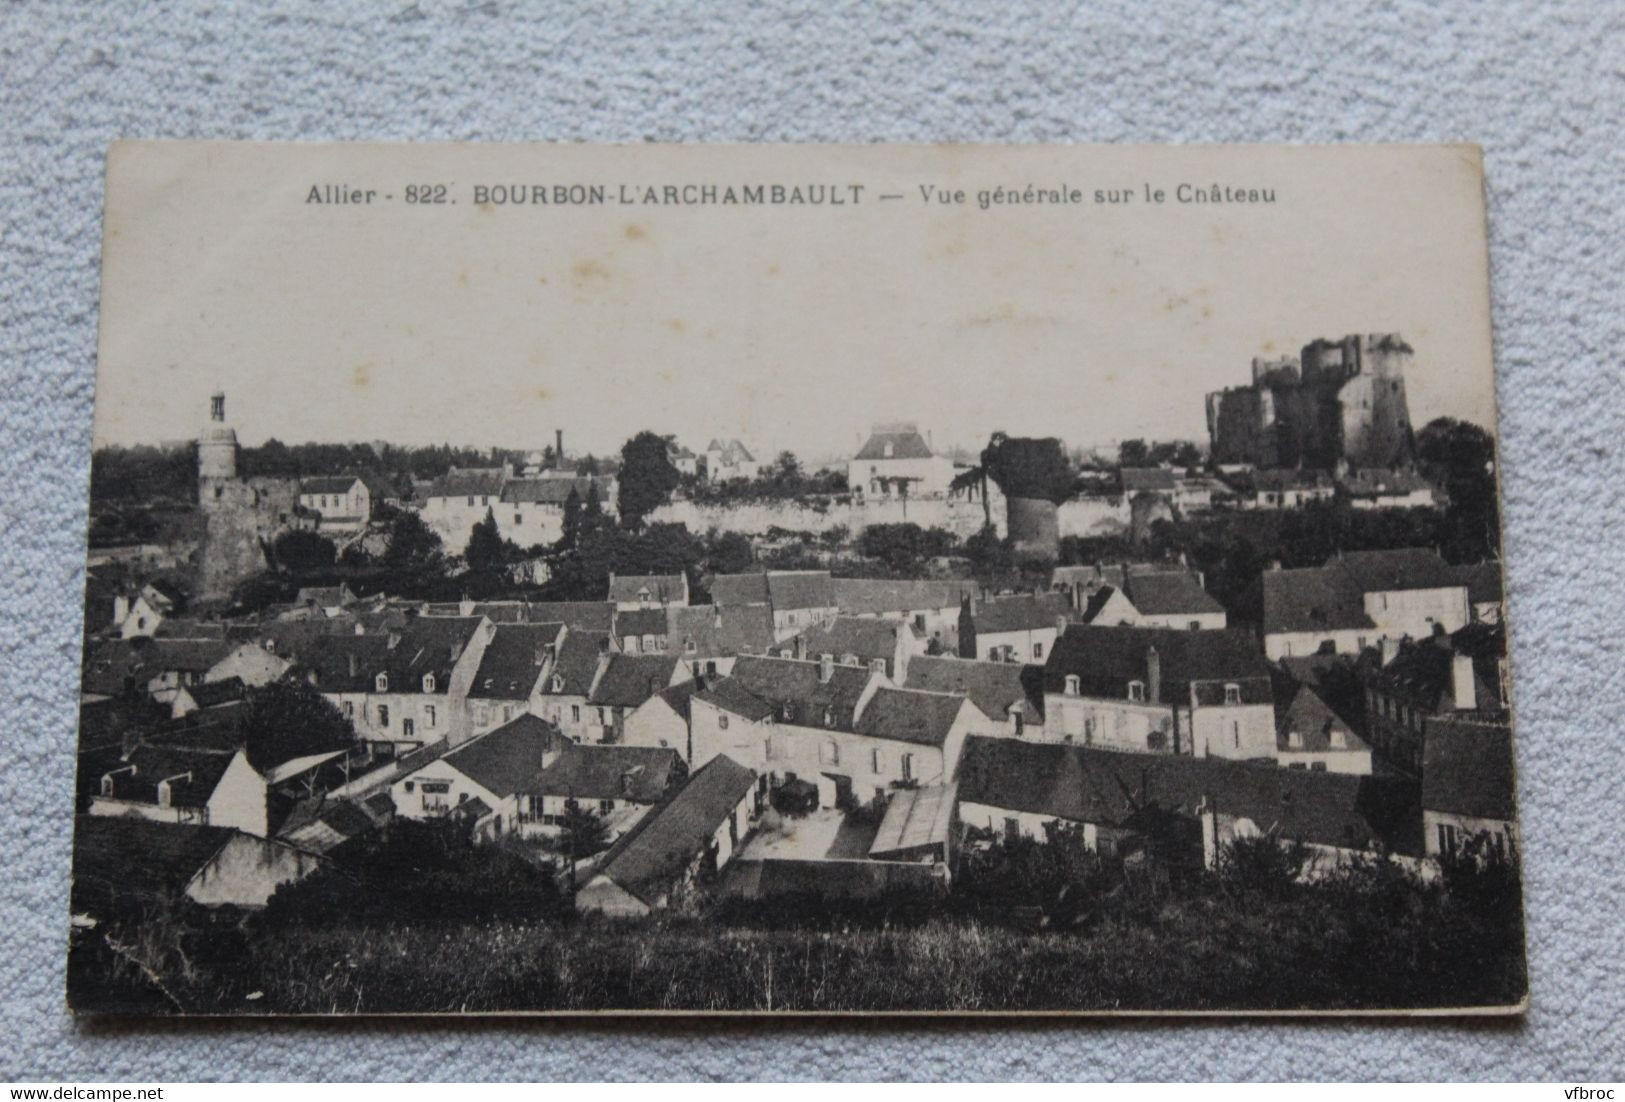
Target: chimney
(1462,689)
(1390,649)
(716,616)
(465,607)
(800,646)
(826,668)
(1153,675)
(558,448)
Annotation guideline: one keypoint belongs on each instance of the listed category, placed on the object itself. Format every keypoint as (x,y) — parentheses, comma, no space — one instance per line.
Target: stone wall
(240,518)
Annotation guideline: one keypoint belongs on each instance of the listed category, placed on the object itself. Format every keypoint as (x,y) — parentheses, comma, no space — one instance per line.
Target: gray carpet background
(1542,87)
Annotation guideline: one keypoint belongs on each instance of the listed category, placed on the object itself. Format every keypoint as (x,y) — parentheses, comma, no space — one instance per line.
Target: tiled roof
(907,715)
(1169,593)
(468,482)
(993,687)
(905,441)
(1019,612)
(630,679)
(679,695)
(797,589)
(428,645)
(328,484)
(1313,599)
(639,773)
(548,491)
(192,774)
(916,817)
(740,589)
(577,663)
(730,452)
(641,621)
(718,631)
(1104,787)
(117,855)
(1402,568)
(1423,672)
(1106,659)
(211,694)
(730,696)
(879,596)
(508,759)
(660,589)
(185,655)
(344,663)
(1313,720)
(649,858)
(1096,574)
(787,683)
(219,728)
(1483,581)
(1281,480)
(1467,767)
(1156,479)
(864,637)
(513,660)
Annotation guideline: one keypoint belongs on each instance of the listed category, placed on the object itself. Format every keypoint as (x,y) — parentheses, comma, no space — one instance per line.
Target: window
(1088,730)
(605,806)
(471,499)
(1196,625)
(1294,739)
(829,716)
(575,713)
(722,722)
(408,728)
(428,682)
(689,647)
(877,761)
(381,683)
(519,518)
(429,717)
(1136,691)
(409,787)
(829,753)
(1232,694)
(1019,723)
(1073,685)
(349,709)
(435,795)
(603,717)
(1235,734)
(383,715)
(507,712)
(907,764)
(1038,650)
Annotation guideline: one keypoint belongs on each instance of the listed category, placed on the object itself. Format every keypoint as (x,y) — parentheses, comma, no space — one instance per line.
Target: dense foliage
(647,477)
(287,719)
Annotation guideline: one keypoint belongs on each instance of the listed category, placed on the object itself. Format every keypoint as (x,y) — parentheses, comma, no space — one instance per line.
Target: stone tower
(216,449)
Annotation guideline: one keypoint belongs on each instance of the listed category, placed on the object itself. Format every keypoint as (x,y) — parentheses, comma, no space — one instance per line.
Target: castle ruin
(1339,401)
(241,517)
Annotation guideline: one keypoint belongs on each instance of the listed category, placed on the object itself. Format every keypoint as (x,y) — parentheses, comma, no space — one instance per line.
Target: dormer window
(1232,693)
(1073,685)
(558,684)
(788,712)
(1136,691)
(428,682)
(689,647)
(107,785)
(381,683)
(829,716)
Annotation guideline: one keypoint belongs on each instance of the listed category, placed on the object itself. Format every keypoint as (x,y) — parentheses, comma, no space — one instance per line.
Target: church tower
(216,450)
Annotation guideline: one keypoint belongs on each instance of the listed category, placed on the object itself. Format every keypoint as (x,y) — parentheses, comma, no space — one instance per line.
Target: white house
(1160,691)
(1008,697)
(634,591)
(249,663)
(1018,628)
(618,783)
(1360,598)
(896,461)
(345,502)
(482,779)
(1156,599)
(729,459)
(1310,735)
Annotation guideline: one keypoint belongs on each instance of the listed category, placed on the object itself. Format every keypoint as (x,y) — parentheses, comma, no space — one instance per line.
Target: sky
(788,327)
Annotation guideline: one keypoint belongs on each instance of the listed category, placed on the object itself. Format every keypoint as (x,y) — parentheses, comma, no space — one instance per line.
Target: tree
(257,591)
(288,719)
(572,521)
(1133,453)
(729,553)
(485,550)
(302,551)
(413,546)
(647,477)
(1460,457)
(585,833)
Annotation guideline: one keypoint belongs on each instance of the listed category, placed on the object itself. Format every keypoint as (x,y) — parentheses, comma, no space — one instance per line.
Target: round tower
(217,444)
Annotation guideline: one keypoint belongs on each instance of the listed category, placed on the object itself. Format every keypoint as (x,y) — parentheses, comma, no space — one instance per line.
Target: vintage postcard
(777,579)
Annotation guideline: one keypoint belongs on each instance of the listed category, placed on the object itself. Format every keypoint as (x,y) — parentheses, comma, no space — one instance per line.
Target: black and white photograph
(889,579)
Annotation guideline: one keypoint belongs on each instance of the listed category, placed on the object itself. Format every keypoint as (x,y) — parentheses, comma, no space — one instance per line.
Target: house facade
(1017,628)
(896,461)
(1160,691)
(1360,598)
(344,502)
